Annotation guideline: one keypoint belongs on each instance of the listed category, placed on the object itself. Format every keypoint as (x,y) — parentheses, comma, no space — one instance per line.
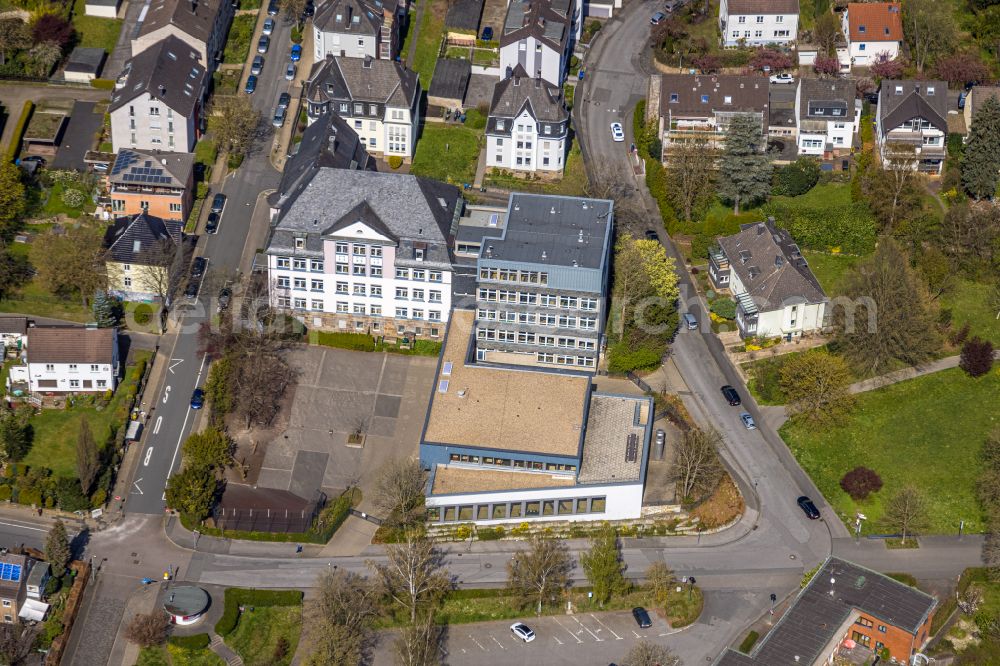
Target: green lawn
(54,205)
(411,27)
(429,41)
(830,269)
(55,430)
(259,630)
(33,299)
(171,655)
(927,431)
(969,302)
(238,42)
(447,152)
(94,31)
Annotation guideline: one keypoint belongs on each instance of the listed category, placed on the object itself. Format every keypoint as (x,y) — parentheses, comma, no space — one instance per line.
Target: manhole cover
(488,565)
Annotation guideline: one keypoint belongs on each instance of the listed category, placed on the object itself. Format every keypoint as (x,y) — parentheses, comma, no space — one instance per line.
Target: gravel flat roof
(450,479)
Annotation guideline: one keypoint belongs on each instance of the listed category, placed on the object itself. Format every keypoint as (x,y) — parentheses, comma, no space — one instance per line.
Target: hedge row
(355,341)
(102,84)
(195,642)
(14,147)
(236,597)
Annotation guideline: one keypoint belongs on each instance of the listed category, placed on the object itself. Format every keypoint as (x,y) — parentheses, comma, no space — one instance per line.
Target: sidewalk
(945,363)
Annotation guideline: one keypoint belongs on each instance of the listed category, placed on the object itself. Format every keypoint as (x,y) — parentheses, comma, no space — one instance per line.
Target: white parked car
(617,133)
(522,631)
(748,422)
(782,78)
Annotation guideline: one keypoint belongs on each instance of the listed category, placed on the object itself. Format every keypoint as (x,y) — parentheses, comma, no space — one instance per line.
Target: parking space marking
(497,642)
(568,631)
(478,643)
(617,637)
(596,637)
(636,633)
(558,641)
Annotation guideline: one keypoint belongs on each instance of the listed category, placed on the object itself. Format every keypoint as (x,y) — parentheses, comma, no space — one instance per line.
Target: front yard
(926,431)
(238,42)
(267,635)
(172,655)
(428,37)
(969,302)
(573,183)
(448,153)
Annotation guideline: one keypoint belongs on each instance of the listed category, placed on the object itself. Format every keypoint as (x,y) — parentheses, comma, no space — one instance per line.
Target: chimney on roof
(760,228)
(194,6)
(164,161)
(778,261)
(579,239)
(163,90)
(350,13)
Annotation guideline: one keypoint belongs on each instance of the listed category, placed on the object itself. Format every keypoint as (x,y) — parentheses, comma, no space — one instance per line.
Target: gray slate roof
(369,17)
(168,71)
(87,60)
(681,94)
(464,15)
(131,166)
(363,80)
(978,95)
(812,621)
(913,101)
(415,212)
(451,78)
(330,142)
(826,94)
(14,325)
(194,17)
(540,224)
(548,21)
(513,94)
(780,273)
(140,239)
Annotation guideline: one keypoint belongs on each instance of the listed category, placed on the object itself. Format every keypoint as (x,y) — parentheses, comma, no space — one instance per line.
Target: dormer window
(930,90)
(674,98)
(899,90)
(704,99)
(728,99)
(861,29)
(300,243)
(887,32)
(418,254)
(500,125)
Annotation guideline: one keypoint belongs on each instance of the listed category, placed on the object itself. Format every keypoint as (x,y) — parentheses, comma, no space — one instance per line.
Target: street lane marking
(25,527)
(149,452)
(568,631)
(478,643)
(174,362)
(187,415)
(596,637)
(166,394)
(636,633)
(606,627)
(557,640)
(156,428)
(136,484)
(497,642)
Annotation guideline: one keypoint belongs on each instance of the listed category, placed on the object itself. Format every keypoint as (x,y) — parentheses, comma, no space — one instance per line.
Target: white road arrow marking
(136,484)
(174,362)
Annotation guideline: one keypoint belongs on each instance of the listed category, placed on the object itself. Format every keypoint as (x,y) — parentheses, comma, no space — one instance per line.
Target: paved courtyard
(338,391)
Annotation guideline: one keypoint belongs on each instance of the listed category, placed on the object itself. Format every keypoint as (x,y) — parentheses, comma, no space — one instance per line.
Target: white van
(690,321)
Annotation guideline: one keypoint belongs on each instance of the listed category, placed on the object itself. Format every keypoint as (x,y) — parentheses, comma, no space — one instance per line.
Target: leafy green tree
(210,448)
(15,433)
(642,271)
(929,29)
(603,564)
(981,163)
(14,36)
(57,549)
(87,462)
(43,56)
(12,197)
(817,384)
(661,578)
(217,387)
(71,263)
(107,310)
(797,178)
(14,272)
(744,169)
(192,491)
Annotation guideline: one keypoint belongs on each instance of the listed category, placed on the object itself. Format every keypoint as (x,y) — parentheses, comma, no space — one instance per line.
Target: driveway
(338,391)
(14,96)
(78,137)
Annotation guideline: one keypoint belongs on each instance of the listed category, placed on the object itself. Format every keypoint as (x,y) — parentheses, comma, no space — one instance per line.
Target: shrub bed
(14,148)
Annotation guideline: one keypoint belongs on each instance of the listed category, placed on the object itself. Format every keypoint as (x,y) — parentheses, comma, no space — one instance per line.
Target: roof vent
(489,251)
(164,161)
(545,255)
(579,239)
(552,211)
(575,263)
(163,90)
(368,62)
(760,228)
(779,261)
(136,245)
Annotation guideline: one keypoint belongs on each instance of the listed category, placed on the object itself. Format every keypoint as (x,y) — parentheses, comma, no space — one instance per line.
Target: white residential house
(379,98)
(776,292)
(539,35)
(201,24)
(158,99)
(365,252)
(356,29)
(912,123)
(872,29)
(70,359)
(758,22)
(827,116)
(527,126)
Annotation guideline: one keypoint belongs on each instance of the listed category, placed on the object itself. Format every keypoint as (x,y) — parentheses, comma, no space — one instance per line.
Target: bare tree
(417,644)
(697,465)
(899,165)
(645,653)
(15,643)
(609,182)
(690,176)
(293,9)
(660,578)
(413,574)
(401,485)
(161,273)
(541,571)
(234,120)
(907,510)
(970,600)
(337,620)
(148,629)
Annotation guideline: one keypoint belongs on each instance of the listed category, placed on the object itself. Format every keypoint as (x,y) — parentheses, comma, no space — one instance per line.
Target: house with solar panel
(775,291)
(159,184)
(13,590)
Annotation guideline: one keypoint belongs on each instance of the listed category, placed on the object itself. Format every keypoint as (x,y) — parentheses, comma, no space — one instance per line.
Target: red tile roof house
(872,28)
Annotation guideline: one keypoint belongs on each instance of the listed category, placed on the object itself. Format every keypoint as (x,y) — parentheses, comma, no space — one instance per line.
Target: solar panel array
(632,448)
(138,174)
(10,572)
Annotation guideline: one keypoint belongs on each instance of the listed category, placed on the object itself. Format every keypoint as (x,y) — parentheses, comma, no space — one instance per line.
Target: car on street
(690,321)
(272,8)
(487,34)
(522,631)
(657,18)
(279,116)
(284,99)
(641,617)
(748,421)
(251,84)
(192,288)
(808,507)
(257,66)
(617,133)
(730,394)
(290,71)
(782,79)
(218,202)
(296,53)
(309,9)
(212,223)
(652,235)
(268,26)
(262,44)
(197,399)
(198,267)
(225,296)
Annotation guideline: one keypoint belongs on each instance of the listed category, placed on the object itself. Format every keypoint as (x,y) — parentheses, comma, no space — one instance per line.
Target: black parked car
(212,223)
(730,394)
(652,235)
(272,8)
(218,202)
(641,617)
(808,507)
(198,267)
(225,296)
(192,288)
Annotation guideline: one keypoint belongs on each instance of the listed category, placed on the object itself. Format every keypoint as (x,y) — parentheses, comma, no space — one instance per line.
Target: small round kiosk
(186,604)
